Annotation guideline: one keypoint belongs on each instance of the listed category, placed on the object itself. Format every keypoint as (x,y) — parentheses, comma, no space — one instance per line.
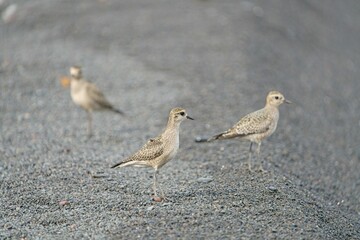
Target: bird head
(179,115)
(275,98)
(76,72)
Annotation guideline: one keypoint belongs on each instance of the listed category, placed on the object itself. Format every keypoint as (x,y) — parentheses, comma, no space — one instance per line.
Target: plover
(256,126)
(88,96)
(158,151)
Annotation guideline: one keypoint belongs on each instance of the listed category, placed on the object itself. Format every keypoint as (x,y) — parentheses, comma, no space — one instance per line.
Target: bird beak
(287,101)
(189,118)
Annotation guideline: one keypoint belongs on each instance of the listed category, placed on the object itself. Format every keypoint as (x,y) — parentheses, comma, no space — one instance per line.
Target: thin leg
(258,150)
(250,156)
(155,180)
(261,169)
(156,198)
(161,191)
(89,117)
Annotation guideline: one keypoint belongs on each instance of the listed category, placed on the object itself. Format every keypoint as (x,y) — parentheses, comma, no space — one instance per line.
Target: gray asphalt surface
(217,59)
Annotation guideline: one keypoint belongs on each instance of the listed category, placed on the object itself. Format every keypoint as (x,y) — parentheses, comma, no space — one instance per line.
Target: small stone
(150,208)
(205,179)
(200,139)
(64,202)
(272,188)
(157,199)
(8,226)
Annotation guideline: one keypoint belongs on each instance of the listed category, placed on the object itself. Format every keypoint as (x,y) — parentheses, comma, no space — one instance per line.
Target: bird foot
(261,169)
(156,198)
(250,169)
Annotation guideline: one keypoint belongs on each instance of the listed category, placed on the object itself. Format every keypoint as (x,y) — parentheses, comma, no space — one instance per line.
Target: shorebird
(256,126)
(88,96)
(158,151)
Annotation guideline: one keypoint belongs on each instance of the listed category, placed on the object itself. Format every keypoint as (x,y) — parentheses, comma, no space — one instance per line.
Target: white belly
(80,96)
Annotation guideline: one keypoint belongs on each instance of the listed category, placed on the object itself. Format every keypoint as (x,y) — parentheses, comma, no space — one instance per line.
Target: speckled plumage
(158,151)
(88,96)
(257,125)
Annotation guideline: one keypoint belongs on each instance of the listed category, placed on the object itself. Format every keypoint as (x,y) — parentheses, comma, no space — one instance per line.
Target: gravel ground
(217,59)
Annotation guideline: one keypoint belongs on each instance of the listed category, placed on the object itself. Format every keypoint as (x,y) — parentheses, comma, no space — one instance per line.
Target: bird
(88,96)
(159,150)
(256,126)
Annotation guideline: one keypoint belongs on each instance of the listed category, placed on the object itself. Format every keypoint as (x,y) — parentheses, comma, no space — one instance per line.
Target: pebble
(272,188)
(150,208)
(157,199)
(200,139)
(205,179)
(64,202)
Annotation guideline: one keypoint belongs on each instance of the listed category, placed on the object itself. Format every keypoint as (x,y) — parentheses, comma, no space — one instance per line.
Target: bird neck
(172,125)
(75,81)
(271,106)
(272,110)
(76,78)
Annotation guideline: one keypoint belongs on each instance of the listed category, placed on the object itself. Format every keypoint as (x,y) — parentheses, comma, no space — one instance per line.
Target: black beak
(189,118)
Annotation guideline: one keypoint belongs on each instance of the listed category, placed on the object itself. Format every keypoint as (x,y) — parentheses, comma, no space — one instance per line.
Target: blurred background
(217,59)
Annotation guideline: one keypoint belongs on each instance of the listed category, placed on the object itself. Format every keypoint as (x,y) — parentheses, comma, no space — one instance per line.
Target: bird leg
(250,156)
(155,180)
(261,169)
(89,129)
(156,198)
(162,193)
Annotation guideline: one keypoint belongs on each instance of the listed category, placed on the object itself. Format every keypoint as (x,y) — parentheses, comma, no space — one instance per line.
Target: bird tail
(118,165)
(216,137)
(117,111)
(219,136)
(224,135)
(126,162)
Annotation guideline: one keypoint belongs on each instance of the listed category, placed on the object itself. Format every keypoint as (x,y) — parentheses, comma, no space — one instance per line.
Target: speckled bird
(88,96)
(158,151)
(256,126)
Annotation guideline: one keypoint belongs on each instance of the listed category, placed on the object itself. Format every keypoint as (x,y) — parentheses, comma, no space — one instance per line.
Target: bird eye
(276,97)
(182,113)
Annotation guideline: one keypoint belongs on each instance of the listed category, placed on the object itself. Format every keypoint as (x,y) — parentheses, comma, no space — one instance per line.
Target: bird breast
(173,145)
(79,95)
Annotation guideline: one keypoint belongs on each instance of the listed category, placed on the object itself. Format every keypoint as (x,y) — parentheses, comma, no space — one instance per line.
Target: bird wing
(151,150)
(97,96)
(253,123)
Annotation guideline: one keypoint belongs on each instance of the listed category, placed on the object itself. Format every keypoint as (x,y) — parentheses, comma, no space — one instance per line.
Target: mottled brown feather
(150,151)
(253,123)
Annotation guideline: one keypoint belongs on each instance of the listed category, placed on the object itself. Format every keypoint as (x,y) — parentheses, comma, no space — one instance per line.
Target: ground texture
(217,59)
